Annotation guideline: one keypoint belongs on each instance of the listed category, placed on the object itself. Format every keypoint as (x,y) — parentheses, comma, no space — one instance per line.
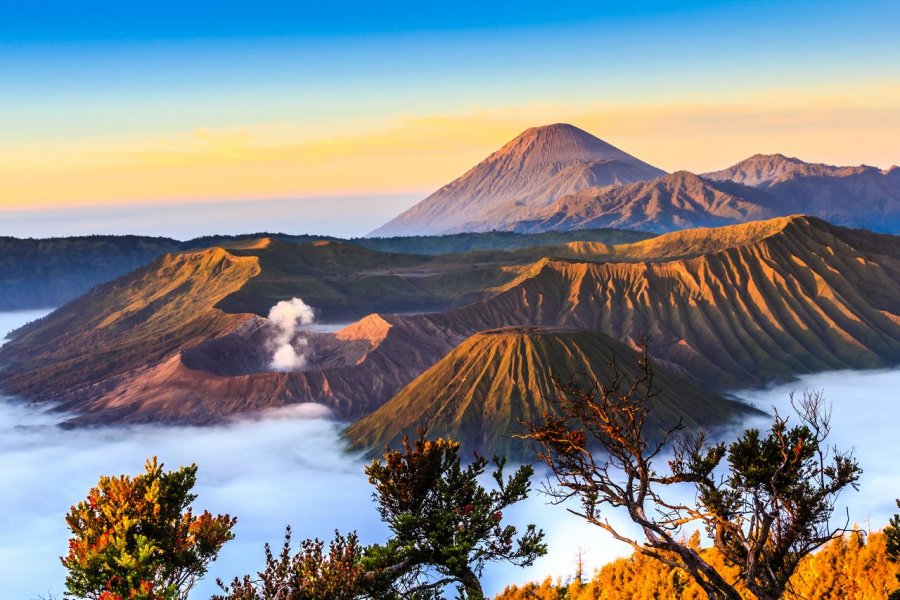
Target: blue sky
(123,91)
(93,20)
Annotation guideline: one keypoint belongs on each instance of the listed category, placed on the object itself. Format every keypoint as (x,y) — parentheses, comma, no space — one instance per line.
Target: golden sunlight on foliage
(137,538)
(855,567)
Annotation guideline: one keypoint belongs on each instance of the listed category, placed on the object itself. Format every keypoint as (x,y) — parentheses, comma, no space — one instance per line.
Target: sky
(139,104)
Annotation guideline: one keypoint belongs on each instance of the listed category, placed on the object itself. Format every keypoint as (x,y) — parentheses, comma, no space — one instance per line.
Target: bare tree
(579,565)
(765,500)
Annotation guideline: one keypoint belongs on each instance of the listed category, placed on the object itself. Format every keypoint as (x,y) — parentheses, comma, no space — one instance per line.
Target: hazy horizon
(339,216)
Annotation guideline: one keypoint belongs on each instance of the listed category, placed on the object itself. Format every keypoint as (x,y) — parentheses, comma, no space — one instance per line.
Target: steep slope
(731,307)
(860,196)
(531,170)
(481,391)
(131,322)
(681,200)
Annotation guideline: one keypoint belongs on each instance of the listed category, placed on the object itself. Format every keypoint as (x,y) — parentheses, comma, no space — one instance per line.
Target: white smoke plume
(286,316)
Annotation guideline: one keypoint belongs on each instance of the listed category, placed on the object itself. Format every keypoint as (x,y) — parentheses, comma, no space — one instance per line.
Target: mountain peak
(683,176)
(776,157)
(767,170)
(559,127)
(554,129)
(558,143)
(560,132)
(520,174)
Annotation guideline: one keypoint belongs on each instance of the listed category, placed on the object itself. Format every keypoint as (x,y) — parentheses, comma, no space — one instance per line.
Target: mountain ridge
(731,307)
(533,185)
(759,187)
(680,200)
(765,170)
(806,296)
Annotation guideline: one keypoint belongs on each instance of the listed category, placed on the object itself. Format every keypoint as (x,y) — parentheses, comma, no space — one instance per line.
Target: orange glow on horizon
(412,154)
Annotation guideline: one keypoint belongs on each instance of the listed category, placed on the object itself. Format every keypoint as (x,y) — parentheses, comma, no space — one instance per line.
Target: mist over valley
(559,267)
(291,466)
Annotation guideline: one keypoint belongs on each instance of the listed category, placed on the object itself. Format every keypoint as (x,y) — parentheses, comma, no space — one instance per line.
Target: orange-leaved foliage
(137,538)
(854,567)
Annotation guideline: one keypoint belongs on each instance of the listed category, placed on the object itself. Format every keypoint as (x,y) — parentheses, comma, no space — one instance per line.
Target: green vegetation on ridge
(43,273)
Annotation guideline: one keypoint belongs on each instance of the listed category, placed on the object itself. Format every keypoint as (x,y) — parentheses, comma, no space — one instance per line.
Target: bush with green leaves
(445,528)
(137,538)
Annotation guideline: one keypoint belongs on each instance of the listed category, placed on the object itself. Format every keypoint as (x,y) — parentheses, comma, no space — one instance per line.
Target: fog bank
(15,319)
(289,467)
(268,472)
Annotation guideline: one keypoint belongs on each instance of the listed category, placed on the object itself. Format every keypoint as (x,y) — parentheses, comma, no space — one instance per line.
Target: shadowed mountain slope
(681,200)
(859,196)
(530,171)
(733,306)
(183,340)
(483,390)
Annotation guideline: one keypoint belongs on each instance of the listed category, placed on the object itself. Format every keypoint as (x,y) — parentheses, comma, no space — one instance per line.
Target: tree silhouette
(765,499)
(445,525)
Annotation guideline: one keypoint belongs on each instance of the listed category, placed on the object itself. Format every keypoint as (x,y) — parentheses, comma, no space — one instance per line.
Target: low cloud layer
(15,319)
(289,467)
(277,469)
(286,317)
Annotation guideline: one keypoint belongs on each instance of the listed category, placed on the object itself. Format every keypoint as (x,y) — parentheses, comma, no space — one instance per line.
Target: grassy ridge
(40,273)
(481,392)
(126,324)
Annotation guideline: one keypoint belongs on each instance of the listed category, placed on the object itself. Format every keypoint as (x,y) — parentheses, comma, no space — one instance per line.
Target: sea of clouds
(289,467)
